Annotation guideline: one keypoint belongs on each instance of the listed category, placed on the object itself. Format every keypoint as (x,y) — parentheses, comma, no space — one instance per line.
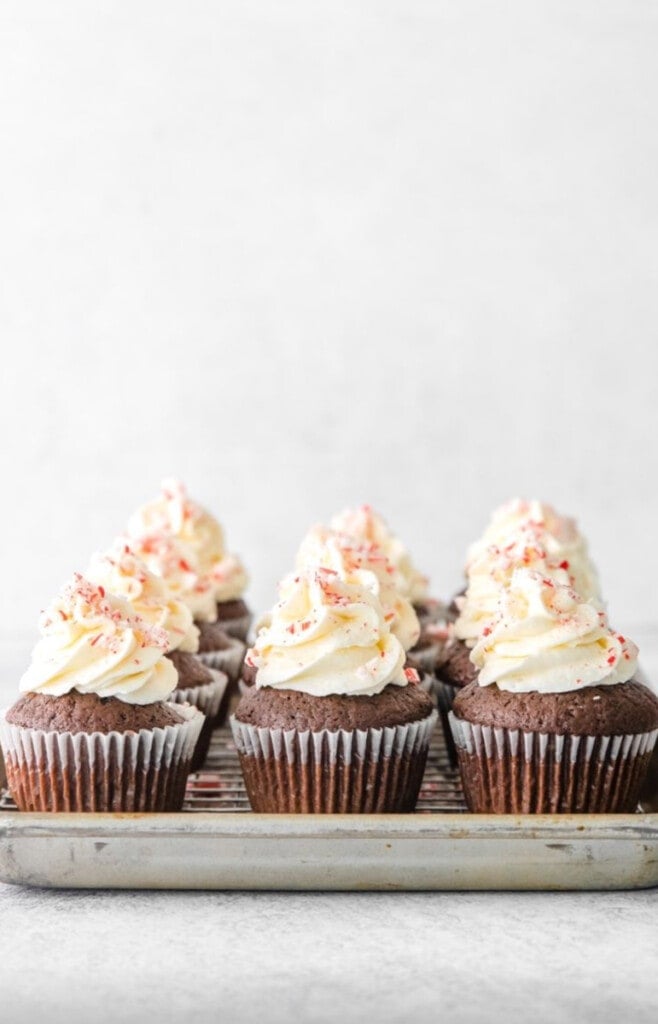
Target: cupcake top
(166,557)
(198,534)
(491,572)
(122,573)
(95,642)
(365,564)
(539,522)
(327,636)
(367,527)
(547,639)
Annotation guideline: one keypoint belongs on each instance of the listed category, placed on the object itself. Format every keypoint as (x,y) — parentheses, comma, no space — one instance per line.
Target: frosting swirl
(364,564)
(327,636)
(546,638)
(165,557)
(540,523)
(491,572)
(367,527)
(122,573)
(94,642)
(198,534)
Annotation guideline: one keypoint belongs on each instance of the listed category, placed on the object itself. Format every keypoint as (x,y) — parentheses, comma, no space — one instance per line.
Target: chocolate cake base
(235,618)
(212,636)
(272,708)
(87,712)
(191,671)
(620,710)
(455,666)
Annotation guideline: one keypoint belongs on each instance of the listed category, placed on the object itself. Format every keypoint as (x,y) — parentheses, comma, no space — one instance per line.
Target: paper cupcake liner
(508,771)
(207,699)
(132,771)
(238,627)
(229,660)
(445,694)
(344,772)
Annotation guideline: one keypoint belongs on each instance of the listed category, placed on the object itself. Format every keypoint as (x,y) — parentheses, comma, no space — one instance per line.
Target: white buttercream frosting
(367,527)
(366,564)
(166,557)
(490,573)
(121,572)
(557,534)
(94,642)
(198,535)
(327,636)
(546,638)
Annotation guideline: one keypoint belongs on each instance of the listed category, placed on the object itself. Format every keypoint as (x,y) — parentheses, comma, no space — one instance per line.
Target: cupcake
(555,722)
(521,534)
(334,723)
(122,573)
(220,576)
(92,729)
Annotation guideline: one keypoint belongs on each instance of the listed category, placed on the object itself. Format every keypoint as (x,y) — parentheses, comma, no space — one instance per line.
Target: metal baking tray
(216,842)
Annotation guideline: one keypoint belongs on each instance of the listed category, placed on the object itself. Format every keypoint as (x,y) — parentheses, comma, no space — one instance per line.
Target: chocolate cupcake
(93,730)
(332,724)
(522,535)
(554,722)
(212,579)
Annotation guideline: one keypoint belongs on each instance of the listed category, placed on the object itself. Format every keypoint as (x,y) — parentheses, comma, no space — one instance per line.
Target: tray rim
(249,824)
(251,852)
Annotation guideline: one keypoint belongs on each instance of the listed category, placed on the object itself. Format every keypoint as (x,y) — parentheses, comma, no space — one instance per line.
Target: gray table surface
(171,956)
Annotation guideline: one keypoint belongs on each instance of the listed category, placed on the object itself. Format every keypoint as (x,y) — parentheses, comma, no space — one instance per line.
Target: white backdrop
(305,255)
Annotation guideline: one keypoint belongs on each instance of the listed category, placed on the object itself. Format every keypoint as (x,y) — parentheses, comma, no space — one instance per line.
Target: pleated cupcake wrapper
(345,771)
(509,771)
(208,699)
(132,771)
(445,694)
(239,626)
(229,660)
